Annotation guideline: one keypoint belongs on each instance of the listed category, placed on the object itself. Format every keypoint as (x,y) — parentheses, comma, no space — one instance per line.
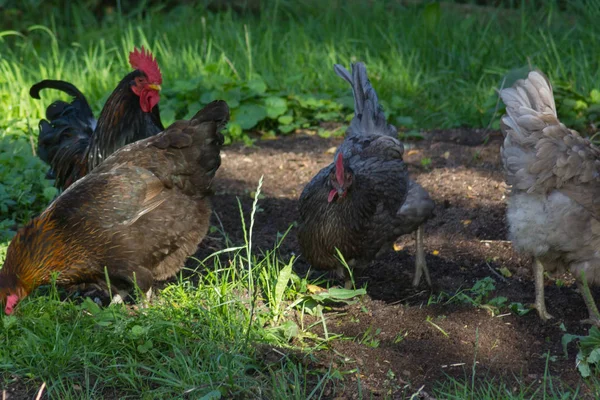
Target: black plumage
(363,201)
(74,143)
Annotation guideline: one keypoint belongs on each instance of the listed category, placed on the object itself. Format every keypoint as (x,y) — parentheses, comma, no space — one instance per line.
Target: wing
(118,197)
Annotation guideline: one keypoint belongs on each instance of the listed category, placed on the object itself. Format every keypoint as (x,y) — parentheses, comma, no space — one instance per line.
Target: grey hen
(554,174)
(363,201)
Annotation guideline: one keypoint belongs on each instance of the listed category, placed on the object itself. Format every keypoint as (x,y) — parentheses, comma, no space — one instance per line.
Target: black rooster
(73,143)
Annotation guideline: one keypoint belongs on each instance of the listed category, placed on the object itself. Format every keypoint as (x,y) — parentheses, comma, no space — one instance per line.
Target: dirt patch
(393,337)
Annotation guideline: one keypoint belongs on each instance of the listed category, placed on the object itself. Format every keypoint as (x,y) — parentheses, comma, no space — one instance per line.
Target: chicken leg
(594,317)
(540,302)
(420,263)
(343,272)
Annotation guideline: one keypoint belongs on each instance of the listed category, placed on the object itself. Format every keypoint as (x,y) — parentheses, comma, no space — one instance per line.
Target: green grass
(433,67)
(201,337)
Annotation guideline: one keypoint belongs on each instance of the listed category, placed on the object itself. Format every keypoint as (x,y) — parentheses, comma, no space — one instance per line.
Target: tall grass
(435,64)
(200,338)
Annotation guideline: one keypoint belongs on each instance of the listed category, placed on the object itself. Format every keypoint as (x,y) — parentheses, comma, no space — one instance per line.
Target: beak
(155,87)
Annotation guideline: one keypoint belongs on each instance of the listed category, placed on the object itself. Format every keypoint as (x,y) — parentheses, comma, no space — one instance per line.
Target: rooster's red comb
(339,168)
(144,61)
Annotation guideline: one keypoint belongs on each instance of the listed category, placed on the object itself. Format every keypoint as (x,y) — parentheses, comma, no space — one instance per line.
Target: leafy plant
(478,296)
(588,356)
(24,191)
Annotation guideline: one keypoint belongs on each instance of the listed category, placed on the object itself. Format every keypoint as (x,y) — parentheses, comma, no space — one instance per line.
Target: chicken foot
(540,302)
(420,263)
(594,317)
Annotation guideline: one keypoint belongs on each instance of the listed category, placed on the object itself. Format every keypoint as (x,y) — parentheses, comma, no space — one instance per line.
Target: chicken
(362,202)
(553,173)
(140,214)
(73,143)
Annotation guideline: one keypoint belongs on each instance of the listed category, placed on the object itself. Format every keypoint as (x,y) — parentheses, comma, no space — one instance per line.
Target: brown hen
(139,214)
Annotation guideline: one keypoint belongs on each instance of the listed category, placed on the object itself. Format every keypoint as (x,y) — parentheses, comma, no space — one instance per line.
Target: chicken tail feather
(368,113)
(195,149)
(529,104)
(63,86)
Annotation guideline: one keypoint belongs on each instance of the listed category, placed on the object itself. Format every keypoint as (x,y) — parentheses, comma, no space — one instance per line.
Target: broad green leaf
(234,129)
(566,339)
(167,115)
(248,115)
(595,96)
(285,119)
(594,356)
(583,367)
(50,193)
(276,106)
(137,331)
(212,395)
(257,86)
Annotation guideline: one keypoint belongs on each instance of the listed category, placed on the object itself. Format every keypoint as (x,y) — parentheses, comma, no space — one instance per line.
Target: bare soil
(415,344)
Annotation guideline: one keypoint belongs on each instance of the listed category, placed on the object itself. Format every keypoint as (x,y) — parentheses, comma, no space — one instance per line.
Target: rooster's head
(146,83)
(340,179)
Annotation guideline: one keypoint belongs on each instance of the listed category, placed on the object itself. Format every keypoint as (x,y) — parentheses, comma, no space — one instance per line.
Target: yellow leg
(540,302)
(594,315)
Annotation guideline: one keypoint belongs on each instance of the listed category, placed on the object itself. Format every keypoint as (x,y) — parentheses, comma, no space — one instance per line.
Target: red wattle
(11,302)
(331,195)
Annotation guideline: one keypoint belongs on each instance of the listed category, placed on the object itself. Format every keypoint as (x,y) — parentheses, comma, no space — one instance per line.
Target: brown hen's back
(140,213)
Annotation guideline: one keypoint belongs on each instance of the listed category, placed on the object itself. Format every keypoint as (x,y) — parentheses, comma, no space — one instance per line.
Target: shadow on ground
(392,329)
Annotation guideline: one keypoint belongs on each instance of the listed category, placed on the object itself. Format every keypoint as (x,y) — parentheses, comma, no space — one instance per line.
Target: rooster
(362,202)
(139,214)
(553,208)
(71,140)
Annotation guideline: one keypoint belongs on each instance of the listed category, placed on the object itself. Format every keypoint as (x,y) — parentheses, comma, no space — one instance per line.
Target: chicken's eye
(138,81)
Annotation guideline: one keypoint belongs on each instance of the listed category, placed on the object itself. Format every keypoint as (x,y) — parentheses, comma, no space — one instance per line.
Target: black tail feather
(68,88)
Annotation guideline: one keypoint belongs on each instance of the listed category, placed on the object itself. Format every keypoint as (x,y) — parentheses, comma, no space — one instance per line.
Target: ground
(465,242)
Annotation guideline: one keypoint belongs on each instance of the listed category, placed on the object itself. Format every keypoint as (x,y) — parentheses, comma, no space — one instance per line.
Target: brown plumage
(554,174)
(71,140)
(364,200)
(141,213)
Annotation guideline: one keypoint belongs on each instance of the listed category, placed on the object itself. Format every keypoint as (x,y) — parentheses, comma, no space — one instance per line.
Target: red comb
(339,168)
(144,61)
